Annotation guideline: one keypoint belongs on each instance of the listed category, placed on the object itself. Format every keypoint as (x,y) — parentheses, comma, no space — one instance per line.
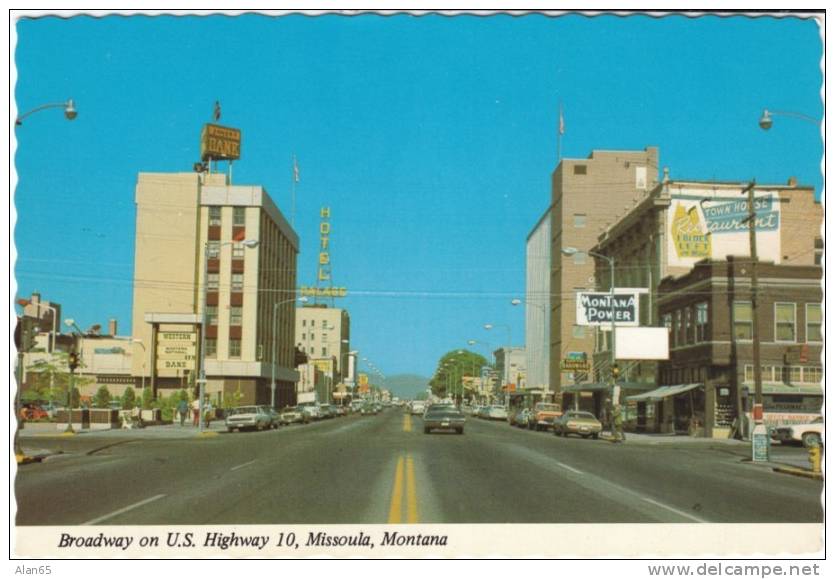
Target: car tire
(460,431)
(811,439)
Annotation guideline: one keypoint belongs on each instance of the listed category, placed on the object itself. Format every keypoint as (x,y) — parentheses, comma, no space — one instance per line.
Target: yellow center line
(396,493)
(411,495)
(407,423)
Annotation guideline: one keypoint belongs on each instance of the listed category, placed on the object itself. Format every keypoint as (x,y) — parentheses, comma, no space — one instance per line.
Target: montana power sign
(595,308)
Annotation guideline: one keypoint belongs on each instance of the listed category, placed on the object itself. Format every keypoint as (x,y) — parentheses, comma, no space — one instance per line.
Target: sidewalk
(653,439)
(157,431)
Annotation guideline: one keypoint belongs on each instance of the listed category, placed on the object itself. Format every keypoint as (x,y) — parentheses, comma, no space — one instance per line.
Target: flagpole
(560,131)
(295,180)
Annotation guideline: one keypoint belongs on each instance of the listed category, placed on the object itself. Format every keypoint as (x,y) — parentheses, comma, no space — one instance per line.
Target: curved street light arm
(793,114)
(69,111)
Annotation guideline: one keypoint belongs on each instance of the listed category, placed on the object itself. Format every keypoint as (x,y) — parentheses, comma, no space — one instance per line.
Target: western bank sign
(595,308)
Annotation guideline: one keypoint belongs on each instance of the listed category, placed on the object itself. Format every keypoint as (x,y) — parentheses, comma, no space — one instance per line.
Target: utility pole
(755,333)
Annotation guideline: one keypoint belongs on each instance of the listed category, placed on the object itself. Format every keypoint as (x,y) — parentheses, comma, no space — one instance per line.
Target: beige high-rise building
(324,334)
(181,219)
(586,196)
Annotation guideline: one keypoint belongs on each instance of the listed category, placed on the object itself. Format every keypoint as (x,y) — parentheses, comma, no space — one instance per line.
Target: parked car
(293,415)
(444,417)
(254,417)
(311,409)
(326,411)
(482,411)
(577,422)
(520,417)
(275,419)
(809,434)
(543,416)
(33,412)
(497,412)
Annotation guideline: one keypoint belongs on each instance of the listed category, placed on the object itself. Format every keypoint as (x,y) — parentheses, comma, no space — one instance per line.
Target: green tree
(48,379)
(102,397)
(128,398)
(147,399)
(232,399)
(452,368)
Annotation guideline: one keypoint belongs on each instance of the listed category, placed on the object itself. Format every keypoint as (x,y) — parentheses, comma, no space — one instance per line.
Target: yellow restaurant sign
(218,142)
(323,292)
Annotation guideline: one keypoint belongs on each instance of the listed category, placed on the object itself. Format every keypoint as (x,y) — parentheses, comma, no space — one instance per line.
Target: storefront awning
(796,389)
(663,392)
(604,387)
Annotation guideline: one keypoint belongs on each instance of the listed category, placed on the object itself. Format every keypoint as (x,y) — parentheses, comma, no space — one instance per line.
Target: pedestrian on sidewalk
(182,410)
(210,411)
(617,423)
(195,411)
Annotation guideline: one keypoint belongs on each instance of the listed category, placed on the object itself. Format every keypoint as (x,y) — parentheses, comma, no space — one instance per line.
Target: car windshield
(443,413)
(575,414)
(244,410)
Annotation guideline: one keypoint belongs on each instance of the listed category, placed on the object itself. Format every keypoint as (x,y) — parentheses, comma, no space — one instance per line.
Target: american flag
(562,122)
(295,170)
(217,111)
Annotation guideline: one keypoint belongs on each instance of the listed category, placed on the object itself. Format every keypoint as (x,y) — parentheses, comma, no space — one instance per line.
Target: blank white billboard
(642,343)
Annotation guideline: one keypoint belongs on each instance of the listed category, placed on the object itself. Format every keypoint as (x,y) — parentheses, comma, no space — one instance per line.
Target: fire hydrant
(815,458)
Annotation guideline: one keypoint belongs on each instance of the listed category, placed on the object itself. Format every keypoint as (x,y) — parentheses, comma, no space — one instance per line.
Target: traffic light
(73,361)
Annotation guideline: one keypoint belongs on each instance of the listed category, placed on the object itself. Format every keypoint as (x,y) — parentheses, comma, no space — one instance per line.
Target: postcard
(418,284)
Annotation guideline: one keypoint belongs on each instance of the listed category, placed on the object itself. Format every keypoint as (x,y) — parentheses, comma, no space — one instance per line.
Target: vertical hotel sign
(713,223)
(323,273)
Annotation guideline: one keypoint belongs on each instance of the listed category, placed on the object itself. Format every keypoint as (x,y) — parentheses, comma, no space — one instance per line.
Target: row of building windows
(325,324)
(785,322)
(234,347)
(787,374)
(213,249)
(688,325)
(236,315)
(238,216)
(312,350)
(236,285)
(313,337)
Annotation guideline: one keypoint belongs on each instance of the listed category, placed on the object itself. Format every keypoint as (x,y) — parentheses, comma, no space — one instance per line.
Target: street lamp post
(766,121)
(144,354)
(612,362)
(302,299)
(509,345)
(70,111)
(248,243)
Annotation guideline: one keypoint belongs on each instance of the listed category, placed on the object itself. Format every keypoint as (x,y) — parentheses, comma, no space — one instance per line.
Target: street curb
(53,435)
(207,434)
(798,472)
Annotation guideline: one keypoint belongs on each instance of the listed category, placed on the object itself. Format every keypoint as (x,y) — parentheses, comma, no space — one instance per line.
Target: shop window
(813,323)
(234,348)
(743,325)
(784,322)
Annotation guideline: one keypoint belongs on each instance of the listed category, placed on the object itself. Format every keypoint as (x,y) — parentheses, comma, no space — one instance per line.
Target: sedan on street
(577,422)
(293,415)
(444,418)
(254,417)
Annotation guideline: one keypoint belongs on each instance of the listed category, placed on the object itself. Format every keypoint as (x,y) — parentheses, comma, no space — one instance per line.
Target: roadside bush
(102,397)
(128,399)
(147,399)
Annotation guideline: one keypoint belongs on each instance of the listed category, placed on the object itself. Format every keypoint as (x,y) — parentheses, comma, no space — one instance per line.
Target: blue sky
(432,139)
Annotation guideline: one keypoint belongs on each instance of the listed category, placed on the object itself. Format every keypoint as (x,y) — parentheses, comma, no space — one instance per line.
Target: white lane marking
(123,510)
(571,468)
(243,465)
(676,511)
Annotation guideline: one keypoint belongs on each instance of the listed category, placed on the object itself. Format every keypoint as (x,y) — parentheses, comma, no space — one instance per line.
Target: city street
(384,469)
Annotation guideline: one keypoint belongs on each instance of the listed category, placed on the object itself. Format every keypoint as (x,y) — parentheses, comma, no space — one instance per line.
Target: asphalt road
(384,469)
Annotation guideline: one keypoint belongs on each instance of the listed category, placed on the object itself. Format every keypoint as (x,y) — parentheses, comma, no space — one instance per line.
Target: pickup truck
(543,415)
(809,434)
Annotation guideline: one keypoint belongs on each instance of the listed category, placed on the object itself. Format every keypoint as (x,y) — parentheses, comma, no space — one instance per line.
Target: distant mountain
(406,385)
